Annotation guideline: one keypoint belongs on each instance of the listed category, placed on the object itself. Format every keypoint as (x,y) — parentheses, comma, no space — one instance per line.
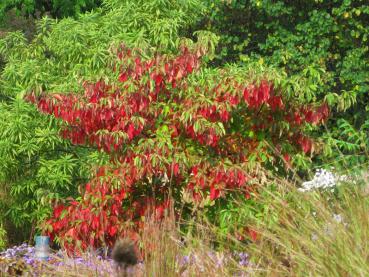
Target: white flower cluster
(322,179)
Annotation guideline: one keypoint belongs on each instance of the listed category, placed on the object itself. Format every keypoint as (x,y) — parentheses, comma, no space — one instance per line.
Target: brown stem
(32,233)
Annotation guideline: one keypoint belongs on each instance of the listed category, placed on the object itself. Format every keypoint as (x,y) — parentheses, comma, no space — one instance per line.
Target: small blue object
(42,240)
(42,247)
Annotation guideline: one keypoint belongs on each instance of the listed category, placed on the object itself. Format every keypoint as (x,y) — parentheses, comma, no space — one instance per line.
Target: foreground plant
(166,255)
(172,128)
(316,234)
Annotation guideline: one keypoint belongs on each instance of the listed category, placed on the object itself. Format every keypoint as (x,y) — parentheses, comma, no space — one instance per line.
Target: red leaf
(241,179)
(158,79)
(174,133)
(324,111)
(233,100)
(88,187)
(95,223)
(159,212)
(115,210)
(189,68)
(253,234)
(174,84)
(194,170)
(112,231)
(214,193)
(84,227)
(246,95)
(167,70)
(310,116)
(123,77)
(297,119)
(305,143)
(130,131)
(101,172)
(264,91)
(275,103)
(56,111)
(176,169)
(58,210)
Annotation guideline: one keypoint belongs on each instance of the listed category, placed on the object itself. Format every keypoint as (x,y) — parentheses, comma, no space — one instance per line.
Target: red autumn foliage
(166,132)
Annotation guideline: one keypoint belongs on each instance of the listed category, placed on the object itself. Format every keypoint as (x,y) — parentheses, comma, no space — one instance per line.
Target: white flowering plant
(323,179)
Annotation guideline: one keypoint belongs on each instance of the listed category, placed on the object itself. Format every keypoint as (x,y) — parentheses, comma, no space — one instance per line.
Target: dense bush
(173,129)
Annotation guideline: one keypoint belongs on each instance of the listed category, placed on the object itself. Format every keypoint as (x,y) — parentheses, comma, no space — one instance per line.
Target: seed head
(124,253)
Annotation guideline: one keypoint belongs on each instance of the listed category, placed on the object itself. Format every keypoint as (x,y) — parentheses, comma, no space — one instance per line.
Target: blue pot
(42,247)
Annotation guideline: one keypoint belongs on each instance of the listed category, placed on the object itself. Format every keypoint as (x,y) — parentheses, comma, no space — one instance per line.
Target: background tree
(54,8)
(323,41)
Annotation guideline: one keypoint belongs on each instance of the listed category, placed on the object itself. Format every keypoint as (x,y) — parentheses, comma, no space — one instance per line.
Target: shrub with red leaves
(170,127)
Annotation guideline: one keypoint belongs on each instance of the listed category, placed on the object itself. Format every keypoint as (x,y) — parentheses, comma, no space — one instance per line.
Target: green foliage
(347,147)
(63,52)
(37,165)
(56,8)
(235,215)
(324,41)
